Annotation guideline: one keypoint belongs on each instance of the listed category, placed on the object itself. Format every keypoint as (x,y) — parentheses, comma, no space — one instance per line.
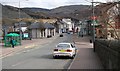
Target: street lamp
(20,31)
(20,23)
(93,21)
(93,14)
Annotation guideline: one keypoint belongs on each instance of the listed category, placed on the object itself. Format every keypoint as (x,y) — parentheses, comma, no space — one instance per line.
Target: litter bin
(90,41)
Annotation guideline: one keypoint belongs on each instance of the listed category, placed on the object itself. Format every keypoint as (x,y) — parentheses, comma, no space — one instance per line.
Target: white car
(65,49)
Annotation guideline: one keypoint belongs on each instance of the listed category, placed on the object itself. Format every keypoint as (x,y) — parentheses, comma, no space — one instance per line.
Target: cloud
(49,4)
(56,3)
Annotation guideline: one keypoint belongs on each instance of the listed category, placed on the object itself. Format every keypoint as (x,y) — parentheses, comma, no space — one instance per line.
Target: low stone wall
(109,53)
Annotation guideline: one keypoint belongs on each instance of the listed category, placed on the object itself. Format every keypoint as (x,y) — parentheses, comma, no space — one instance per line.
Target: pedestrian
(82,34)
(77,30)
(12,41)
(79,34)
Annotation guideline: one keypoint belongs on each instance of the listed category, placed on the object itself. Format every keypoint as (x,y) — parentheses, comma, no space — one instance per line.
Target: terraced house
(109,20)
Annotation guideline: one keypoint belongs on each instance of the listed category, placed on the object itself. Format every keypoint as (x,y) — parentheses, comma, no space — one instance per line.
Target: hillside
(36,12)
(69,9)
(73,11)
(35,9)
(13,12)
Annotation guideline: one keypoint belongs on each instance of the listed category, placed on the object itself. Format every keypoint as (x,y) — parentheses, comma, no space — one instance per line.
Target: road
(38,57)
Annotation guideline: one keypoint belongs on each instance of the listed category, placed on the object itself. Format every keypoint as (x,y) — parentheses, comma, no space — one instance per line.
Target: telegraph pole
(119,8)
(93,22)
(20,31)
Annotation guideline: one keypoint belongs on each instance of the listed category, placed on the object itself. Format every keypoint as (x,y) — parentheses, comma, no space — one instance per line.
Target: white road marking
(72,61)
(18,64)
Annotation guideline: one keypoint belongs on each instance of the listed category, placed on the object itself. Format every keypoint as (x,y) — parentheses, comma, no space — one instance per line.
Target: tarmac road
(38,58)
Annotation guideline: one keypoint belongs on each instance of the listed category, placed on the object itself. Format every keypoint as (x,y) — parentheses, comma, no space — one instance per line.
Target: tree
(109,17)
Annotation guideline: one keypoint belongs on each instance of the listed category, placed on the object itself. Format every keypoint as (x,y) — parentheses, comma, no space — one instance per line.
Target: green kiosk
(10,36)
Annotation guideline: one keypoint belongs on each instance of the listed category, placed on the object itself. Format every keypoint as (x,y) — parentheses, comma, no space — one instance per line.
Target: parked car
(65,49)
(70,32)
(48,36)
(61,35)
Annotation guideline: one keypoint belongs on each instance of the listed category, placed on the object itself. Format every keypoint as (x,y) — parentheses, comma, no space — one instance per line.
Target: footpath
(86,58)
(6,51)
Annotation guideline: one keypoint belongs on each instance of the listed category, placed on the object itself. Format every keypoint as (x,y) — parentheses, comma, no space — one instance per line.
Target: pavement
(86,58)
(26,44)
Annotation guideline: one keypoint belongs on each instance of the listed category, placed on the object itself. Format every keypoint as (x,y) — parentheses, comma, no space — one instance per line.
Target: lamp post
(93,21)
(20,31)
(20,23)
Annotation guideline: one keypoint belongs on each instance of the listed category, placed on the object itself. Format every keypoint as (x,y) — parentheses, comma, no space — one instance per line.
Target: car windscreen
(63,46)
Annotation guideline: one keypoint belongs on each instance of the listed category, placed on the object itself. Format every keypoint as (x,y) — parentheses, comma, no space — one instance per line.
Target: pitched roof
(49,26)
(36,25)
(23,24)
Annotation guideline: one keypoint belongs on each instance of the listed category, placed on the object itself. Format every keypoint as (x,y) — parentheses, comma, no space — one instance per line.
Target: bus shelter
(11,36)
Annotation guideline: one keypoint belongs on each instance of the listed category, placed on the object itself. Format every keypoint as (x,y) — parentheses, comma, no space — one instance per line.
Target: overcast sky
(48,4)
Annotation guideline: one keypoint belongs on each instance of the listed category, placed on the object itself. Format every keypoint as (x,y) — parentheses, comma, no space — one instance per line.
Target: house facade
(1,32)
(62,26)
(83,28)
(21,25)
(114,22)
(68,24)
(108,17)
(41,30)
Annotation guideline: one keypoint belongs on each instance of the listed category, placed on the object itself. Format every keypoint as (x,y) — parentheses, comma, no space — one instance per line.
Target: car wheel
(54,57)
(72,57)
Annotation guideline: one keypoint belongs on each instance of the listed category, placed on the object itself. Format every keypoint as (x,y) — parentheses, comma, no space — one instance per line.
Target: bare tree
(111,19)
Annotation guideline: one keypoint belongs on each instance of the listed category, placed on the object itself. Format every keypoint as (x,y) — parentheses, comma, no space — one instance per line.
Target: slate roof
(48,26)
(38,25)
(23,24)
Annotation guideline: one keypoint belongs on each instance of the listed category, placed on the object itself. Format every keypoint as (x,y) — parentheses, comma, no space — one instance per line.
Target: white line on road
(72,61)
(18,64)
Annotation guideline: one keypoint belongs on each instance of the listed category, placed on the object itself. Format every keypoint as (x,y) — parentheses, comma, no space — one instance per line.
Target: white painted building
(21,25)
(69,24)
(83,28)
(41,30)
(1,33)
